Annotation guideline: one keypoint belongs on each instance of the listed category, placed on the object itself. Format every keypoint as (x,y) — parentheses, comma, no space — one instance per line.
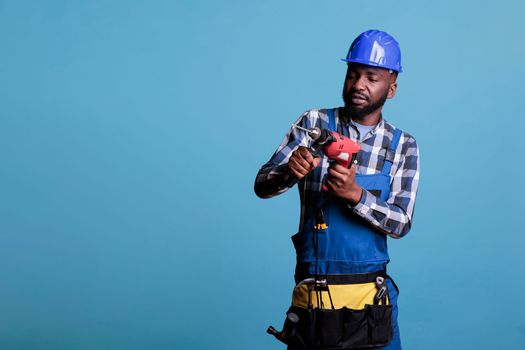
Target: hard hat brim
(372,64)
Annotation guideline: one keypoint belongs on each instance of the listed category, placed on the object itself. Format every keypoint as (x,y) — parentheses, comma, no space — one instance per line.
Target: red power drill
(335,146)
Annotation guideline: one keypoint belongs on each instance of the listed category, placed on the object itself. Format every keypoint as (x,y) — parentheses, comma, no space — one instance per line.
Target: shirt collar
(346,121)
(378,126)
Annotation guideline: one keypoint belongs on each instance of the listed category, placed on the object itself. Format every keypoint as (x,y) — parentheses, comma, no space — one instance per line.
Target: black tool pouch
(341,328)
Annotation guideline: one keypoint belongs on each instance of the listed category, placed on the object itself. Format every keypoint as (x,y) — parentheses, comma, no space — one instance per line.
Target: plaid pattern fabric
(392,217)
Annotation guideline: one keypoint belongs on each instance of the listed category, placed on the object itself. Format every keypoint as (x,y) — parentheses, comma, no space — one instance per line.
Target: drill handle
(350,161)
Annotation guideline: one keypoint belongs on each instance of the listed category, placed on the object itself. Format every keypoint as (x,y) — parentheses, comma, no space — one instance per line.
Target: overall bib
(349,245)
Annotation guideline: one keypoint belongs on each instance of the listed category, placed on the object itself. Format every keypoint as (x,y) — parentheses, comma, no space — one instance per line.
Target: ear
(392,90)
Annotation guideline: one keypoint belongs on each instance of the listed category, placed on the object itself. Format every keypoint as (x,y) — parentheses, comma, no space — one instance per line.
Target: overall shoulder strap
(331,119)
(391,152)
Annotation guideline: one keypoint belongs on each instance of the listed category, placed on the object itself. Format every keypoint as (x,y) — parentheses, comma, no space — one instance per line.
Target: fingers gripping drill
(335,146)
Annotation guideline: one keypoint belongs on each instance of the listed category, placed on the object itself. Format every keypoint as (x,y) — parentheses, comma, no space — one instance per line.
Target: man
(341,242)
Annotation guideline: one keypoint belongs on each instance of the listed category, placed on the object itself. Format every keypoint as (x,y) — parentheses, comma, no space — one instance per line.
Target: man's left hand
(341,181)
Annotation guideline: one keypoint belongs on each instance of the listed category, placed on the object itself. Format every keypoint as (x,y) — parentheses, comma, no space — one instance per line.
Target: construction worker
(341,262)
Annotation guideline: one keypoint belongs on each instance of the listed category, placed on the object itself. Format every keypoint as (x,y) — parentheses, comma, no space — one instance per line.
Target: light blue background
(131,133)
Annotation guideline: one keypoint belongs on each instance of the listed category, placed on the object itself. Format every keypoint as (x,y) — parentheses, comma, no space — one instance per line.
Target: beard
(358,112)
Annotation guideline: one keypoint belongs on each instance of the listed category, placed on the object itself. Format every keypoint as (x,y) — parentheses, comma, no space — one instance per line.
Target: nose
(358,84)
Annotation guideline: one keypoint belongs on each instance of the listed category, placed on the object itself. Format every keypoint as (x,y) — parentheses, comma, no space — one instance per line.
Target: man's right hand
(302,162)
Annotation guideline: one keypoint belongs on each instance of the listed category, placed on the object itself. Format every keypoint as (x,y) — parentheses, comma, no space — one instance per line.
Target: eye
(373,79)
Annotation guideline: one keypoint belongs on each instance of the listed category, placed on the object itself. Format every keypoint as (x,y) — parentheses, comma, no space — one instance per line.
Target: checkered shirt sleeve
(270,180)
(394,217)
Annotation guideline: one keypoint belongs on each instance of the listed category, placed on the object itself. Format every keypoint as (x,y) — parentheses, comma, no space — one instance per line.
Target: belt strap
(345,279)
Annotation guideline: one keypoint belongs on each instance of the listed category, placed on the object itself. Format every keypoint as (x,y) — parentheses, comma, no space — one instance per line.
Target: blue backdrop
(131,133)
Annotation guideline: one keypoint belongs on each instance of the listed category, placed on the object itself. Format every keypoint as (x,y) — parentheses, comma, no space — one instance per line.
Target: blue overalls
(350,245)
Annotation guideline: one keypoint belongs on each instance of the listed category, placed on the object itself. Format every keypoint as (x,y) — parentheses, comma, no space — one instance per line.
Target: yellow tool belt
(353,291)
(352,296)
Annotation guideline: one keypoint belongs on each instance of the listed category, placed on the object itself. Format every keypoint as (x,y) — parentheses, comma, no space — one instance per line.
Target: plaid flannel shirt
(393,216)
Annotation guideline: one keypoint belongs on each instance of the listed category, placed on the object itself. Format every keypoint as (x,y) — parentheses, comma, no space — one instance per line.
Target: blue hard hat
(375,48)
